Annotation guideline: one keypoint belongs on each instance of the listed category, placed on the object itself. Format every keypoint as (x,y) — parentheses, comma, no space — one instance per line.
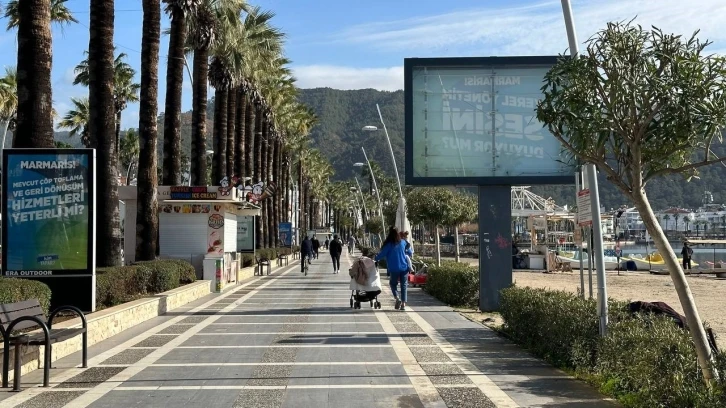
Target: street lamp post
(375,186)
(401,218)
(208,152)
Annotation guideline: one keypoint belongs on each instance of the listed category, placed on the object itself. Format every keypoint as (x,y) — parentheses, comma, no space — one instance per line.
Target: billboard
(285,229)
(47,212)
(49,226)
(472,121)
(245,234)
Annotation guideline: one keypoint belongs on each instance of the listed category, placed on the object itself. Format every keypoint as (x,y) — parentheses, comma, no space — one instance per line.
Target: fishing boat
(577,257)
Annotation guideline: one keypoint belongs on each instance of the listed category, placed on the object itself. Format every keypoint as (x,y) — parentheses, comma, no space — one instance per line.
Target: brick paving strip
(75,388)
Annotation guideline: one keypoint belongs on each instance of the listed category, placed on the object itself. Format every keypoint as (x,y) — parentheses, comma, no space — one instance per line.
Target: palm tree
(8,101)
(125,90)
(666,217)
(76,120)
(211,19)
(178,11)
(35,56)
(102,121)
(676,216)
(147,216)
(688,220)
(129,153)
(59,13)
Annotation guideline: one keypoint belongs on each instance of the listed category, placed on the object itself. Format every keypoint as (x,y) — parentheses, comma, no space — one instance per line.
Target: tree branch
(675,170)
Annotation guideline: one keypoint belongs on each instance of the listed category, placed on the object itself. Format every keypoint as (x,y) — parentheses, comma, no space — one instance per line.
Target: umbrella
(402,223)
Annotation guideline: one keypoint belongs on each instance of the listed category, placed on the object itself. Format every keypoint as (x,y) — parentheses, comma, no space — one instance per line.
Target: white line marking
(288,346)
(296,363)
(298,333)
(286,323)
(264,387)
(102,389)
(30,392)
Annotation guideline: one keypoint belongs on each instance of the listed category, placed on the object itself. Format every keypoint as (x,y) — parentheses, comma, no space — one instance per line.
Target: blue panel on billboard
(47,213)
(473,121)
(285,234)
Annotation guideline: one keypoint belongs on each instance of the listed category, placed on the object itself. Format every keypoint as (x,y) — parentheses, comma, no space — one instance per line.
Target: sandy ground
(709,292)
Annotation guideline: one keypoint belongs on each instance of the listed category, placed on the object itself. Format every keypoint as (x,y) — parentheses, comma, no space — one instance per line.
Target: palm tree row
(260,131)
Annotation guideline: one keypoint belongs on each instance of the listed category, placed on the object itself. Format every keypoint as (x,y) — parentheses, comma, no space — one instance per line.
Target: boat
(577,257)
(652,262)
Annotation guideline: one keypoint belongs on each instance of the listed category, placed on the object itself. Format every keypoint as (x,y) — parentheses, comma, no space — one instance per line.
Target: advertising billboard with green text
(472,121)
(48,216)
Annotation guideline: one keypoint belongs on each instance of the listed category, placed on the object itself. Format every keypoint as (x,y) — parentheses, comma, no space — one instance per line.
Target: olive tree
(640,104)
(436,206)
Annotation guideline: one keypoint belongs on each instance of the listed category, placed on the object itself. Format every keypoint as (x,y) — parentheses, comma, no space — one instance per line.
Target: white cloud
(535,29)
(341,77)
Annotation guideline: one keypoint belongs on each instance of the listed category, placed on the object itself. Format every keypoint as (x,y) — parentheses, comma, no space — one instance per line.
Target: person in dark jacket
(336,248)
(394,252)
(316,247)
(327,243)
(687,253)
(306,252)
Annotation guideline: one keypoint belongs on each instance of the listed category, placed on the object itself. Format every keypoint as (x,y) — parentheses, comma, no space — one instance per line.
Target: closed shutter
(230,232)
(182,235)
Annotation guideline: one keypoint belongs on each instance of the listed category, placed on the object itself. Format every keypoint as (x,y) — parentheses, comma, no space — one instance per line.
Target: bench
(29,314)
(260,263)
(719,272)
(283,256)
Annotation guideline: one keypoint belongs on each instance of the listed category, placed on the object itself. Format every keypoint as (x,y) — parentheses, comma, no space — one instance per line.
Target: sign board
(472,121)
(584,211)
(191,193)
(245,234)
(49,228)
(286,234)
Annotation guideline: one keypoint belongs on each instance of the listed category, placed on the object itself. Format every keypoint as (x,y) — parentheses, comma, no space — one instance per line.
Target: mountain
(339,136)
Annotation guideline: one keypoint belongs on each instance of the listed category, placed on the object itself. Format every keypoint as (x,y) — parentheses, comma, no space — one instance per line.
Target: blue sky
(348,44)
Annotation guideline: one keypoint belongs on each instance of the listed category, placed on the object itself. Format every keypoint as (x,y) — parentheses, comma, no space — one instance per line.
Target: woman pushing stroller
(396,254)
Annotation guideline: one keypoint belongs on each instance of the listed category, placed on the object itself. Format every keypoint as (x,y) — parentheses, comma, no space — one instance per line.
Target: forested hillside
(338,134)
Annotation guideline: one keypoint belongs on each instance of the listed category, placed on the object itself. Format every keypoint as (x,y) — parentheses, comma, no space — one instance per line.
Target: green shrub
(121,284)
(248,260)
(14,290)
(454,283)
(644,361)
(649,361)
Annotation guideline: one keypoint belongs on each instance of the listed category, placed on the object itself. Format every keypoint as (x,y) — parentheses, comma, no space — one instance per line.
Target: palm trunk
(199,118)
(250,120)
(231,132)
(274,164)
(5,133)
(239,154)
(300,201)
(258,176)
(147,214)
(35,57)
(220,134)
(685,296)
(117,142)
(266,179)
(101,124)
(172,111)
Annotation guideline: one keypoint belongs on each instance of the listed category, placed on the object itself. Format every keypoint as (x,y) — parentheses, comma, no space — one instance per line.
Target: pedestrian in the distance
(687,253)
(336,249)
(316,247)
(327,242)
(306,252)
(351,244)
(395,253)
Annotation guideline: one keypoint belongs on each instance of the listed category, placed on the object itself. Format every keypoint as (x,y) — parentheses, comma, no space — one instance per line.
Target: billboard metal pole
(596,239)
(378,194)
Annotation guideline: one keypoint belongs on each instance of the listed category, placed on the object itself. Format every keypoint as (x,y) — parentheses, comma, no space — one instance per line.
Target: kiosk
(196,224)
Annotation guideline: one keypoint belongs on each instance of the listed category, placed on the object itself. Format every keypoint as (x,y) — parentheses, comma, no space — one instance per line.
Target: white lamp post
(375,186)
(401,219)
(207,152)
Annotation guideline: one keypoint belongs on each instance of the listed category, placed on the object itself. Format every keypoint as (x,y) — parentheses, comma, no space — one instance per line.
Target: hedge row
(454,283)
(643,361)
(121,284)
(17,290)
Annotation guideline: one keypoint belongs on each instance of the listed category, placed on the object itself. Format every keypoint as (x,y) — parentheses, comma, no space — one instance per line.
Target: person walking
(306,252)
(327,243)
(316,247)
(336,249)
(351,244)
(687,253)
(394,252)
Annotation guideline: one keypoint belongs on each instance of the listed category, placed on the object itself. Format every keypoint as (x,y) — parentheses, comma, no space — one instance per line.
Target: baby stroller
(418,278)
(365,283)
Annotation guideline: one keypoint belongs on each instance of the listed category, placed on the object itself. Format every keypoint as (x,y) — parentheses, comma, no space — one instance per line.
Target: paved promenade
(288,340)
